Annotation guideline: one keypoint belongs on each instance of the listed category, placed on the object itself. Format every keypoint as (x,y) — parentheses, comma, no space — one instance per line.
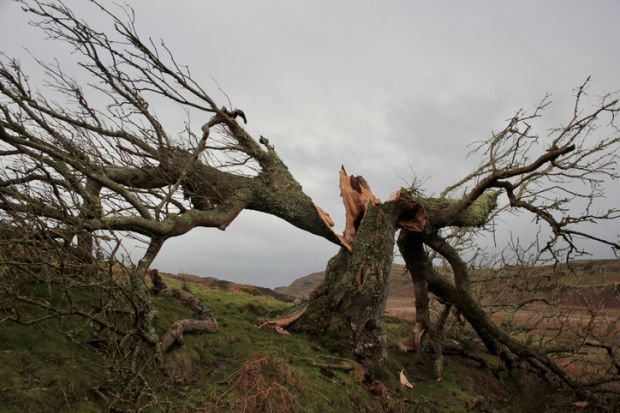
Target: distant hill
(211,282)
(302,287)
(596,280)
(400,297)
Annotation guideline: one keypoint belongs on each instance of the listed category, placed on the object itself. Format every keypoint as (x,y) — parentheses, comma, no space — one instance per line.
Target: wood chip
(284,321)
(404,381)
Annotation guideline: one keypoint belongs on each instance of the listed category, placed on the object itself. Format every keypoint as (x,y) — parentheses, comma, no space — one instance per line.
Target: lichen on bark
(474,215)
(346,310)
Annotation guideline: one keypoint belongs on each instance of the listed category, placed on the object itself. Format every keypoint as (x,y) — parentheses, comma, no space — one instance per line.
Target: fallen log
(205,323)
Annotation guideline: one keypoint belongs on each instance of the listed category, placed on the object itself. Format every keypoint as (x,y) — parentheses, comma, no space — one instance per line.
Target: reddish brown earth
(588,283)
(576,291)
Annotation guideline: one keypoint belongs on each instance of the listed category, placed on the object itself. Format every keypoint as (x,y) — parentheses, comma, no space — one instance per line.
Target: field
(568,305)
(66,363)
(56,366)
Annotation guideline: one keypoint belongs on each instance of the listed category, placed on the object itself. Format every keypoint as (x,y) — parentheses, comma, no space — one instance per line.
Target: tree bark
(346,310)
(205,322)
(458,294)
(418,264)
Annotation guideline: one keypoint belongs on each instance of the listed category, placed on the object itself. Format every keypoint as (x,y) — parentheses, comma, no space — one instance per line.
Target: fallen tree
(86,170)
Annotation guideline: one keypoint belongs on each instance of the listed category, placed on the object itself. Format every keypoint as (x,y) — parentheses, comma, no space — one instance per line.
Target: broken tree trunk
(346,310)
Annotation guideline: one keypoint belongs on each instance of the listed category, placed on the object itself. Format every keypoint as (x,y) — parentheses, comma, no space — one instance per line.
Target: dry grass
(265,383)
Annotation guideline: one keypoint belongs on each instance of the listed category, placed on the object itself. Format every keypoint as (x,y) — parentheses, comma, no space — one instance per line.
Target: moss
(346,310)
(477,214)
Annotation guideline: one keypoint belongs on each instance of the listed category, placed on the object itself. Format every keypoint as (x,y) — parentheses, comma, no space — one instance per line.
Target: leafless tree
(548,177)
(87,168)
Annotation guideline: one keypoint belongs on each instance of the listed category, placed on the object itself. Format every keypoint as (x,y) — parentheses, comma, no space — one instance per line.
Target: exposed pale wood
(325,216)
(330,223)
(356,195)
(404,381)
(279,324)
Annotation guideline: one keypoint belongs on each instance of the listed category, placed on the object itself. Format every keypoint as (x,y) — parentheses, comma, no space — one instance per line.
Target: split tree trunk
(346,310)
(345,313)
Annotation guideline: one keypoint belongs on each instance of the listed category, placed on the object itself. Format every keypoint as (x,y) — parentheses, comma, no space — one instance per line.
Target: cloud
(256,249)
(388,89)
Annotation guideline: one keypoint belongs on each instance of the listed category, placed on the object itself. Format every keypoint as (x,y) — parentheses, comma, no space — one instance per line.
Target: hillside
(303,286)
(596,281)
(224,285)
(58,366)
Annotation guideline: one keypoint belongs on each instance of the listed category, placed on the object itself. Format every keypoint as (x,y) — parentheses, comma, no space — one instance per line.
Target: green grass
(211,361)
(42,369)
(47,367)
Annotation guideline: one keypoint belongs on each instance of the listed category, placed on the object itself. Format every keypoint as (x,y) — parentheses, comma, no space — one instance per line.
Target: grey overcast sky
(390,89)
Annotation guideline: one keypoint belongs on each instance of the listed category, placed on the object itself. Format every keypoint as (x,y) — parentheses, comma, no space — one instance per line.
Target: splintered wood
(413,218)
(404,381)
(279,324)
(356,194)
(330,223)
(325,216)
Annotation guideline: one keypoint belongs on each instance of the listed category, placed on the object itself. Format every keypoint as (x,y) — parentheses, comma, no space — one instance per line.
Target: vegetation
(78,176)
(61,366)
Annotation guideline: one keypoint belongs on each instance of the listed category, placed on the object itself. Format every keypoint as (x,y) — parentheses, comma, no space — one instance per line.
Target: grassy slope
(44,368)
